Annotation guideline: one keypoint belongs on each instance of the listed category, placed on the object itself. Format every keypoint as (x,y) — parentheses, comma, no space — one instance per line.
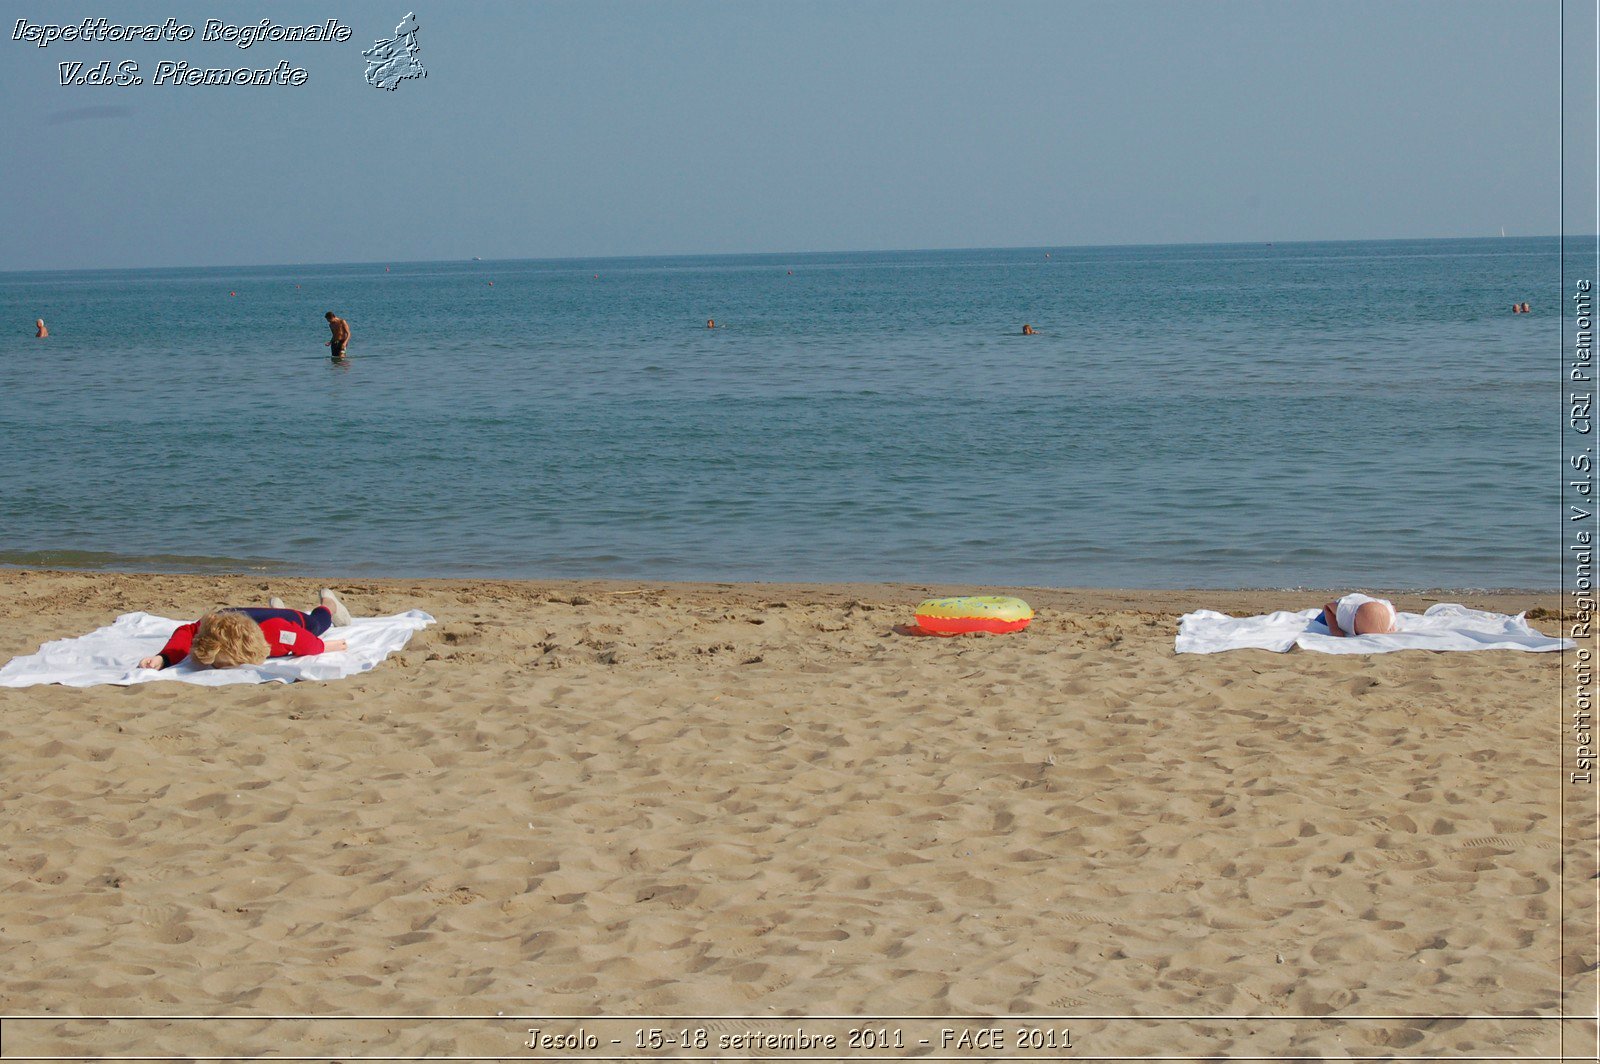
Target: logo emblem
(392,61)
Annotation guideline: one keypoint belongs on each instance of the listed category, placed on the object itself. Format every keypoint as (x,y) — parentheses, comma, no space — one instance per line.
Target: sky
(559,128)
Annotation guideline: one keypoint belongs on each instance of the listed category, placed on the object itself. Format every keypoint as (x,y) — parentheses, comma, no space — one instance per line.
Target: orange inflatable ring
(996,614)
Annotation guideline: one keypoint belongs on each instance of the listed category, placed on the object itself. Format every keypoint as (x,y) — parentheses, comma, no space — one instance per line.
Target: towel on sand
(111,655)
(1446,626)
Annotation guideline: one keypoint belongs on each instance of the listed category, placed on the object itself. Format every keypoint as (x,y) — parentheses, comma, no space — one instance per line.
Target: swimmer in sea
(341,334)
(42,331)
(1027,330)
(711,323)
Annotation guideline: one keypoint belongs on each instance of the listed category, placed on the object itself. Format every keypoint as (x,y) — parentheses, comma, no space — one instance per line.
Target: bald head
(1374,618)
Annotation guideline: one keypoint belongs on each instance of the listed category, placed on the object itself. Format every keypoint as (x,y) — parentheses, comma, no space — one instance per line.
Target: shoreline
(1182,599)
(207,568)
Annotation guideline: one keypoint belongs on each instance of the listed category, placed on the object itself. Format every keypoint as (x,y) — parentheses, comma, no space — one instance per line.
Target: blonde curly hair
(227,638)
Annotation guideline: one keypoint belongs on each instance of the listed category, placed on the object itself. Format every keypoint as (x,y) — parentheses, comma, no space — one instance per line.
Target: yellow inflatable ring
(974,613)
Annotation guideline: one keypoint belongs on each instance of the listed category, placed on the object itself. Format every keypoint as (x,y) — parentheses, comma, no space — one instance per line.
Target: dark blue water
(1364,414)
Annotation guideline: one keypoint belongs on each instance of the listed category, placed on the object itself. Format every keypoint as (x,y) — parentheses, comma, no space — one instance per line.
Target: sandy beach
(587,799)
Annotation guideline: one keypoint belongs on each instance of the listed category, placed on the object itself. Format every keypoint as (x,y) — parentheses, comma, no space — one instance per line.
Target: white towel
(112,654)
(1446,626)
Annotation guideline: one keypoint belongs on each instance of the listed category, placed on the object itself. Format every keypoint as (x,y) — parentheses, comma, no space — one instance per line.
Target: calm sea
(1298,415)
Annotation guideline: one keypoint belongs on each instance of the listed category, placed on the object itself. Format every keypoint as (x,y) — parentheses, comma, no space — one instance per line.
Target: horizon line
(777,254)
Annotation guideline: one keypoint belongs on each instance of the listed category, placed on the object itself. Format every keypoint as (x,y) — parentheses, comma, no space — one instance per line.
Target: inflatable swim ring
(976,613)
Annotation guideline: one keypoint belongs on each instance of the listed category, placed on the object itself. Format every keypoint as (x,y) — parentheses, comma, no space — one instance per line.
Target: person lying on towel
(249,635)
(1357,614)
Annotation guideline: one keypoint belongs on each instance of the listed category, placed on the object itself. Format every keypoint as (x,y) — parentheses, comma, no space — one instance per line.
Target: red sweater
(284,639)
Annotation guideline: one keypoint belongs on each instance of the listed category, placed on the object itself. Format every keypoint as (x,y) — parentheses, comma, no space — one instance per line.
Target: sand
(622,799)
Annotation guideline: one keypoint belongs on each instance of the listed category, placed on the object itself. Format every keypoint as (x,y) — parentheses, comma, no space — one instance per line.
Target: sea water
(1290,415)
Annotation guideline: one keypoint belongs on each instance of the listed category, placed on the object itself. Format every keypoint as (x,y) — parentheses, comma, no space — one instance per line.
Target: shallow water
(1364,414)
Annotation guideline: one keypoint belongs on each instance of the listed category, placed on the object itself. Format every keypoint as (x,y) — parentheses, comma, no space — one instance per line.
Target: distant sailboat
(1502,230)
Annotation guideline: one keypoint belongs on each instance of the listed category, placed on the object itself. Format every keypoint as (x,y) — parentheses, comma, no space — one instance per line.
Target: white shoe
(341,616)
(276,603)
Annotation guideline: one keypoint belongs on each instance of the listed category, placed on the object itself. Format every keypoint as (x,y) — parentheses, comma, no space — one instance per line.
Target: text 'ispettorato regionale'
(172,71)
